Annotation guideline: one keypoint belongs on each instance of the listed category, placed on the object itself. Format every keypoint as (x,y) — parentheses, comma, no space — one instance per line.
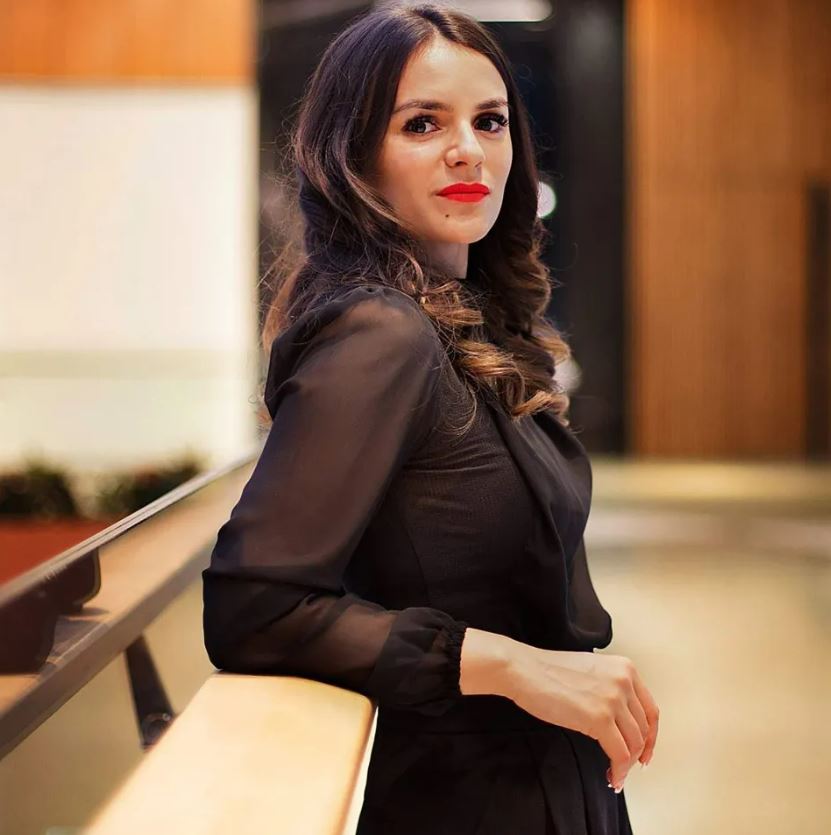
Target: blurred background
(685,162)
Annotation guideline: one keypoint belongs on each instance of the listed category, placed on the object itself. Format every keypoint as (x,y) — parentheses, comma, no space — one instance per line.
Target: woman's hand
(600,695)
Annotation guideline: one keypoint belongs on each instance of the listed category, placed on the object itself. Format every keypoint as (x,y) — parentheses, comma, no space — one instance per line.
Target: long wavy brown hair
(339,230)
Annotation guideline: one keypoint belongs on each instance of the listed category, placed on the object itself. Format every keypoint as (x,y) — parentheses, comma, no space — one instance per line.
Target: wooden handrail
(146,561)
(251,754)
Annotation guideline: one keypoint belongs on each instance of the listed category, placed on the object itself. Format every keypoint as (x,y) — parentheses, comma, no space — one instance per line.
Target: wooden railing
(251,754)
(142,563)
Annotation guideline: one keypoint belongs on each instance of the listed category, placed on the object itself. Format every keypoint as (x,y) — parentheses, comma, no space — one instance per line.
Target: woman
(413,528)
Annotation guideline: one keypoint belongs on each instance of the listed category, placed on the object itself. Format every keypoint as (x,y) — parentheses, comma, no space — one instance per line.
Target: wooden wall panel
(728,115)
(99,41)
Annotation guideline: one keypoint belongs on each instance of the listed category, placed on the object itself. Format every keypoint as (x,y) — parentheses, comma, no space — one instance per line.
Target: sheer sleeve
(352,392)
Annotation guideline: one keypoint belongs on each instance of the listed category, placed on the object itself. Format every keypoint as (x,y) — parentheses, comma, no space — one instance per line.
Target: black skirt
(487,768)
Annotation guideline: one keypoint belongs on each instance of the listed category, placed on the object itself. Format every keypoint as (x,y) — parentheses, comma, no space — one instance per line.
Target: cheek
(408,176)
(506,160)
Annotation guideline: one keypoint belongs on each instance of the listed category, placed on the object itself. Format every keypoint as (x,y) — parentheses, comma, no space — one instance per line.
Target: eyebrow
(427,104)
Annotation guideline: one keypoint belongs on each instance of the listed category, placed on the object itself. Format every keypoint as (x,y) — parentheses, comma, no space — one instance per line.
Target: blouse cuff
(419,666)
(455,632)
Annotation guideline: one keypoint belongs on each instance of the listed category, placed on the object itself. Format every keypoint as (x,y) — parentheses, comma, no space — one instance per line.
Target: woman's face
(457,134)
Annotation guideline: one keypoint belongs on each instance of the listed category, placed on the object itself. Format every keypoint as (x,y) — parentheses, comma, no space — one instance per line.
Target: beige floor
(718,579)
(727,615)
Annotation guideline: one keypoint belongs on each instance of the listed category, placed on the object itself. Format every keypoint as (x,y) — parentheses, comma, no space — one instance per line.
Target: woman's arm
(485,667)
(598,694)
(352,395)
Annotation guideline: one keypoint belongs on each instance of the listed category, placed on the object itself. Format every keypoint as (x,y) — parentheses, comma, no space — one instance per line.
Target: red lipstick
(465,192)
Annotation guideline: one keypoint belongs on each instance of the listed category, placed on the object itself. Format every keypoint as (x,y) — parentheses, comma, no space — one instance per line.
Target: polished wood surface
(251,754)
(89,41)
(729,117)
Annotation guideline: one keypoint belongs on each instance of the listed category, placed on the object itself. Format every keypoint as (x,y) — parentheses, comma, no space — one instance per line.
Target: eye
(417,121)
(501,120)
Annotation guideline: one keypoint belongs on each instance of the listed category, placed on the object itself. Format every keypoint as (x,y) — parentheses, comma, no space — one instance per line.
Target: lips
(464,188)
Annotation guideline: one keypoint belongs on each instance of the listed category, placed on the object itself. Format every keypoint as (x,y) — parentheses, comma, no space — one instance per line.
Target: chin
(469,235)
(481,235)
(473,238)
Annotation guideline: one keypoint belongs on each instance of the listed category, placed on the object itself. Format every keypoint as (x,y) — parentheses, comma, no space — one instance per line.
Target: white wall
(128,235)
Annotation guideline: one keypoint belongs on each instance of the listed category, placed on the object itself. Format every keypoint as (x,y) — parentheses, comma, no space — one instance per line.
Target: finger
(614,744)
(631,733)
(639,714)
(651,712)
(646,756)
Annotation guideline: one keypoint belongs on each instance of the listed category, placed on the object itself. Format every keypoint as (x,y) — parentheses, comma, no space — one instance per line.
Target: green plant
(124,493)
(38,490)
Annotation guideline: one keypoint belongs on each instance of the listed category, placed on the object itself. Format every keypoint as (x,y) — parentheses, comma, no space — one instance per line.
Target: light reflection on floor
(731,631)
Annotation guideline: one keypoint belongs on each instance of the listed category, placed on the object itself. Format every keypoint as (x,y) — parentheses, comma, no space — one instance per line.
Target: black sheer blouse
(369,536)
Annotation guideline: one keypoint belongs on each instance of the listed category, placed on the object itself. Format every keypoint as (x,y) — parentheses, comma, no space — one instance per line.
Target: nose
(466,148)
